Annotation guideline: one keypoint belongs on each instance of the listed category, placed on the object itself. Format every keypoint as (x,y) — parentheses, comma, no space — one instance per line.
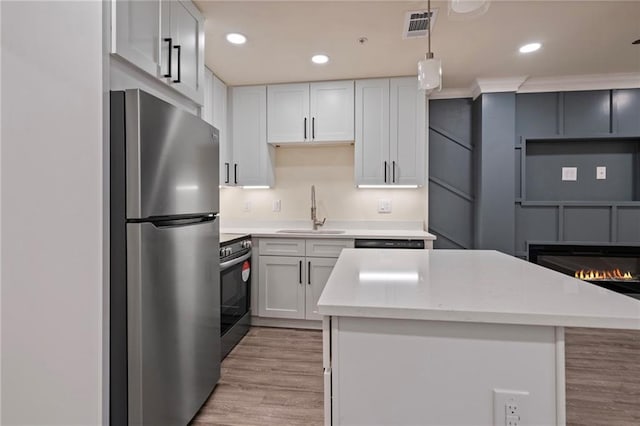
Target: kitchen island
(453,337)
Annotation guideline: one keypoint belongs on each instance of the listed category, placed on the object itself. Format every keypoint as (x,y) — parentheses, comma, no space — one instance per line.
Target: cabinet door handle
(309,273)
(313,128)
(300,272)
(394,171)
(235,173)
(385,172)
(170,41)
(177,46)
(226,166)
(305,128)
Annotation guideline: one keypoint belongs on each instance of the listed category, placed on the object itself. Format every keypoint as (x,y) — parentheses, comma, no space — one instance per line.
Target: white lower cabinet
(289,286)
(318,271)
(281,287)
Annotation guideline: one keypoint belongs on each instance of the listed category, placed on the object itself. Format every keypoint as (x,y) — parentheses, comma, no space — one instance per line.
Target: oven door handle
(233,262)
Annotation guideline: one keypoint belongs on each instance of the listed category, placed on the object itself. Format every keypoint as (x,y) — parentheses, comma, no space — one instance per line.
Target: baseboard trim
(286,323)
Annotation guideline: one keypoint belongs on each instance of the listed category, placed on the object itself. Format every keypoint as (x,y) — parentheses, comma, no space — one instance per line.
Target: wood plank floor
(272,377)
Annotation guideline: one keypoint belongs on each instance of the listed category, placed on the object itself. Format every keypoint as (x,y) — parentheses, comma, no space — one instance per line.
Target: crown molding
(524,84)
(496,85)
(451,94)
(581,82)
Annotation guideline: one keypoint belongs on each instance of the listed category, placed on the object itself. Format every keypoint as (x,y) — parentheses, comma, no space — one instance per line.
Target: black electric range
(235,289)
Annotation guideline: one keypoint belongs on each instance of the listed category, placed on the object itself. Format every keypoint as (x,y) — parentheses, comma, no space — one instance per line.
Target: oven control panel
(234,247)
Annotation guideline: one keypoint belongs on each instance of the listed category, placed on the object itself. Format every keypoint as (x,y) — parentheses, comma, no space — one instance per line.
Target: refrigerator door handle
(180,221)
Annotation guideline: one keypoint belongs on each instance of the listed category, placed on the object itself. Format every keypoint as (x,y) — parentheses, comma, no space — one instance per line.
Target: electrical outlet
(247,206)
(509,407)
(601,172)
(513,421)
(276,206)
(384,206)
(570,173)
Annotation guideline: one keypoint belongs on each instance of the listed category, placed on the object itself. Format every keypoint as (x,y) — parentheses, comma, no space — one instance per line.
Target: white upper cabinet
(332,111)
(136,33)
(288,107)
(310,112)
(163,38)
(252,156)
(390,132)
(206,113)
(182,53)
(407,130)
(220,122)
(214,112)
(372,131)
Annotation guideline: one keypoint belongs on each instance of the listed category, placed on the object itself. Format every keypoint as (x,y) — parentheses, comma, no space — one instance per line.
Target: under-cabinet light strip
(387,186)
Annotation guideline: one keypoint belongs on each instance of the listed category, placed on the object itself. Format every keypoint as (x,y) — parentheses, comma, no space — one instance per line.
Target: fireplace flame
(613,274)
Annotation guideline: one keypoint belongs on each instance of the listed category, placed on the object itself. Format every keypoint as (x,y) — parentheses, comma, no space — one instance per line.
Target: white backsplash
(331,170)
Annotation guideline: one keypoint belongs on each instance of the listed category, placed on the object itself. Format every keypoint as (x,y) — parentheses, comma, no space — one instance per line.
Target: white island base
(414,372)
(449,337)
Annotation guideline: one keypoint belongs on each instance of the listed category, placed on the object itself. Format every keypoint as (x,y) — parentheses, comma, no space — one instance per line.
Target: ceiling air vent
(416,23)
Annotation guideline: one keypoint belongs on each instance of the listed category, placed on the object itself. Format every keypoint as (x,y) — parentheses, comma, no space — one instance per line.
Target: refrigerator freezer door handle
(182,221)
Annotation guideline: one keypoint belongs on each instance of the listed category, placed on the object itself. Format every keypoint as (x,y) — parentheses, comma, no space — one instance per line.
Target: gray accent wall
(496,169)
(451,180)
(494,128)
(583,129)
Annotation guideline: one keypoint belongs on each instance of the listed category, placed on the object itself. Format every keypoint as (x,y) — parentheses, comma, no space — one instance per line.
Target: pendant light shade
(429,68)
(430,73)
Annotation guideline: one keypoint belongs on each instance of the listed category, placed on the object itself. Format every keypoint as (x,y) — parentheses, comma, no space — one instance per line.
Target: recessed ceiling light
(531,47)
(236,38)
(319,59)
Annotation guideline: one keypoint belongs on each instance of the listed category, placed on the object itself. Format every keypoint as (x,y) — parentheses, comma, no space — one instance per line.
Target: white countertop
(348,233)
(471,286)
(352,229)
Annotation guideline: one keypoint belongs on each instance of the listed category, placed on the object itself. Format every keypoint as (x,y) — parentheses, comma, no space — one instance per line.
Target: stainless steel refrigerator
(164,274)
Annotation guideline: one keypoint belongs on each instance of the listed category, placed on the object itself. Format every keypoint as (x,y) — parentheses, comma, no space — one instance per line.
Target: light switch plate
(384,206)
(601,172)
(247,206)
(570,173)
(276,206)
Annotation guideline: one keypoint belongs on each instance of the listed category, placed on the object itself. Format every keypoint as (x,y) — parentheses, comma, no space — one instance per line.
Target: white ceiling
(578,37)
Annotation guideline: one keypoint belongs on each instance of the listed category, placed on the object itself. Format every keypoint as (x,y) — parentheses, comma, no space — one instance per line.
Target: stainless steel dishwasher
(395,243)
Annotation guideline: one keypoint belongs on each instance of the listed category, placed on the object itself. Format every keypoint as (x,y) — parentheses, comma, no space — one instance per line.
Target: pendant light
(430,69)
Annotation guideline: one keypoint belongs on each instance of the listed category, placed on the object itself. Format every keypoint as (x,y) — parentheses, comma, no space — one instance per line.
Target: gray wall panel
(626,109)
(517,173)
(452,115)
(590,224)
(451,188)
(628,224)
(587,113)
(495,218)
(545,159)
(535,223)
(537,114)
(451,216)
(450,162)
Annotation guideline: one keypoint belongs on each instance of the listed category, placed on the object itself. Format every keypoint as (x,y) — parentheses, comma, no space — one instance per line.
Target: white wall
(331,170)
(52,212)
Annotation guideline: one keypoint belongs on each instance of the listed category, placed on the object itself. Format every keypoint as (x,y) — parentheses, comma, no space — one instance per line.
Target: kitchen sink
(311,231)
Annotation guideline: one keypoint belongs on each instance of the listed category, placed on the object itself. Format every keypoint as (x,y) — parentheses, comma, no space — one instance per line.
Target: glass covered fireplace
(610,266)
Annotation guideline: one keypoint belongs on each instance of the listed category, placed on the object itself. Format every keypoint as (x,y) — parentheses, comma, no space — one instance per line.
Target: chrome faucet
(314,218)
